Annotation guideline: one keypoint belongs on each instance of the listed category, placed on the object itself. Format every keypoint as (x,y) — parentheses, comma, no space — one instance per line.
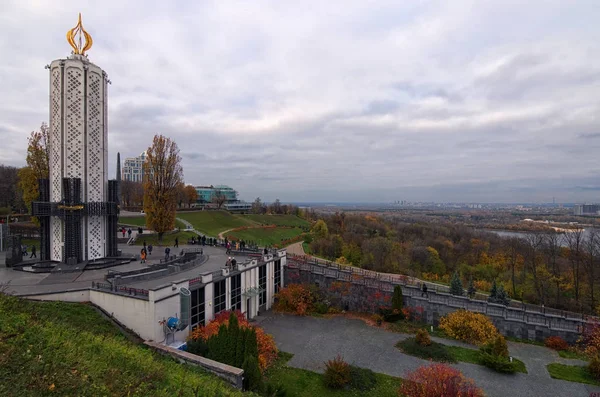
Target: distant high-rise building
(586,209)
(133,168)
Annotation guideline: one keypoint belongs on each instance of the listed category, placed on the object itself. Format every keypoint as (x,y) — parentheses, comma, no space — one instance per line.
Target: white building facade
(133,168)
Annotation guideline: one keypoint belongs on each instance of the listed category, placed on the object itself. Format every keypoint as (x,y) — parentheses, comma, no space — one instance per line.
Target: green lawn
(443,353)
(572,373)
(141,221)
(68,349)
(168,238)
(303,383)
(279,220)
(133,220)
(267,236)
(212,223)
(573,354)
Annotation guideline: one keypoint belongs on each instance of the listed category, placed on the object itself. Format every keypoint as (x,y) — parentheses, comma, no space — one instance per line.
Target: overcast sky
(491,101)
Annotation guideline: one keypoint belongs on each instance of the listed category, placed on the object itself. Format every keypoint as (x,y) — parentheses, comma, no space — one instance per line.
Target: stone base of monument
(58,267)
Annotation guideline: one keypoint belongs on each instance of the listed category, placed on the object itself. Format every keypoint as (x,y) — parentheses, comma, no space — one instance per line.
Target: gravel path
(316,340)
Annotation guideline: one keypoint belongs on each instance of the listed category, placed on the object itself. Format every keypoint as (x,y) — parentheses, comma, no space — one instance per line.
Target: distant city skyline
(379,101)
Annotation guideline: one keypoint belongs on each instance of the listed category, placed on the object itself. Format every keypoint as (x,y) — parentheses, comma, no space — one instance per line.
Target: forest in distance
(540,266)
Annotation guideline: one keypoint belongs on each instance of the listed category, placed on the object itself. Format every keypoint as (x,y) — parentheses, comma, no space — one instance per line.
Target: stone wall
(351,290)
(232,375)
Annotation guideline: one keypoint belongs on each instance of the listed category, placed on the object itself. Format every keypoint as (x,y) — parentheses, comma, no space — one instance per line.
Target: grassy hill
(279,220)
(268,236)
(212,223)
(63,349)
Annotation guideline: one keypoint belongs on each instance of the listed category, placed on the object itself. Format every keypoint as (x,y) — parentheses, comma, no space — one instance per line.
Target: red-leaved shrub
(438,380)
(295,298)
(556,343)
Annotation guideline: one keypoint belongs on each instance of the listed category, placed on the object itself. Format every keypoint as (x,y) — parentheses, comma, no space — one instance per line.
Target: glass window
(277,283)
(236,292)
(262,284)
(197,308)
(219,296)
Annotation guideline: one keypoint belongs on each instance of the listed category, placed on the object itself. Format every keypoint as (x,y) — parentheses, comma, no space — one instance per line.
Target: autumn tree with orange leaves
(163,175)
(37,165)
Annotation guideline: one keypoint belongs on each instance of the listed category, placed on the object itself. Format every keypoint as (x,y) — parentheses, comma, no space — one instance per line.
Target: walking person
(167,252)
(33,255)
(144,244)
(176,242)
(228,248)
(233,263)
(129,233)
(150,249)
(228,263)
(123,231)
(143,255)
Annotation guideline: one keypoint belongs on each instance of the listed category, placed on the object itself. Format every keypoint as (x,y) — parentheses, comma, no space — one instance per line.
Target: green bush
(337,373)
(498,363)
(497,347)
(274,391)
(397,299)
(197,347)
(362,378)
(321,308)
(252,375)
(594,367)
(391,315)
(435,351)
(422,338)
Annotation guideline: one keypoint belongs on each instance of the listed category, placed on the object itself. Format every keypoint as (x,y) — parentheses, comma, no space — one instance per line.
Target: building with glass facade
(207,194)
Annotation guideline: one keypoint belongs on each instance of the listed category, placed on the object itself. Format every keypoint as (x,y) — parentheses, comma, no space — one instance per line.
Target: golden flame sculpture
(79,47)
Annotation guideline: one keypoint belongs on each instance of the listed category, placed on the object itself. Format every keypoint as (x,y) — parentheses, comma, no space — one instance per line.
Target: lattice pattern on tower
(74,124)
(55,137)
(95,136)
(56,230)
(95,237)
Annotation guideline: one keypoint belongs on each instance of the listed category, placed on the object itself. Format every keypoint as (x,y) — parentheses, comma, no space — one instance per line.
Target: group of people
(239,245)
(24,251)
(129,231)
(230,264)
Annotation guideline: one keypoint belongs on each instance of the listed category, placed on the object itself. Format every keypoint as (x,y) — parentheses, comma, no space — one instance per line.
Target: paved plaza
(316,340)
(23,283)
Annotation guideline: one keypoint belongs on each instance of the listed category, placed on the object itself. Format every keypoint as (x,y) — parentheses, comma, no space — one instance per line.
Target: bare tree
(132,193)
(592,246)
(514,245)
(257,206)
(534,243)
(574,240)
(552,246)
(219,198)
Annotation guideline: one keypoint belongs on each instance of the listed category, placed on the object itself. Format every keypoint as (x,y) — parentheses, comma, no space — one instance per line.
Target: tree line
(550,268)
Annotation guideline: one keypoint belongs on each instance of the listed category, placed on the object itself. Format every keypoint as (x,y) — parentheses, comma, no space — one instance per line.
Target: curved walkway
(316,340)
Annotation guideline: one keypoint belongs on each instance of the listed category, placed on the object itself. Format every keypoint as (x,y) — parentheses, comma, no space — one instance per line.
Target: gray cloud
(381,101)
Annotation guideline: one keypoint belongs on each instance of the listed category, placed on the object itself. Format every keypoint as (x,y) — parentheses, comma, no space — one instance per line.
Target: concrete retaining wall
(232,375)
(365,294)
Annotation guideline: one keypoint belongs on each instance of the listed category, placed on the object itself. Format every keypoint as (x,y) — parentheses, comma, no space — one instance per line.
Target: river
(510,233)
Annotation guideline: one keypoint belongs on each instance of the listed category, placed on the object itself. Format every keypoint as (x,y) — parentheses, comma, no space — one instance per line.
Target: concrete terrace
(316,340)
(23,283)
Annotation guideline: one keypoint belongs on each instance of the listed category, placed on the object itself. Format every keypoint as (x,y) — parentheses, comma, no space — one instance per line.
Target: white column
(209,309)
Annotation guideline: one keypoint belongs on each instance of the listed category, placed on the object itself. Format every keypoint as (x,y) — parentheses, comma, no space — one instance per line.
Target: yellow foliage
(468,326)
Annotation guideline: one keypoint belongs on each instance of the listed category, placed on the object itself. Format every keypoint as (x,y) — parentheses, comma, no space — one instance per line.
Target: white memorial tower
(78,151)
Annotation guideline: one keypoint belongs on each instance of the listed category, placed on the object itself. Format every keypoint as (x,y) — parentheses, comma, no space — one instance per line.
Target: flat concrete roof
(24,283)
